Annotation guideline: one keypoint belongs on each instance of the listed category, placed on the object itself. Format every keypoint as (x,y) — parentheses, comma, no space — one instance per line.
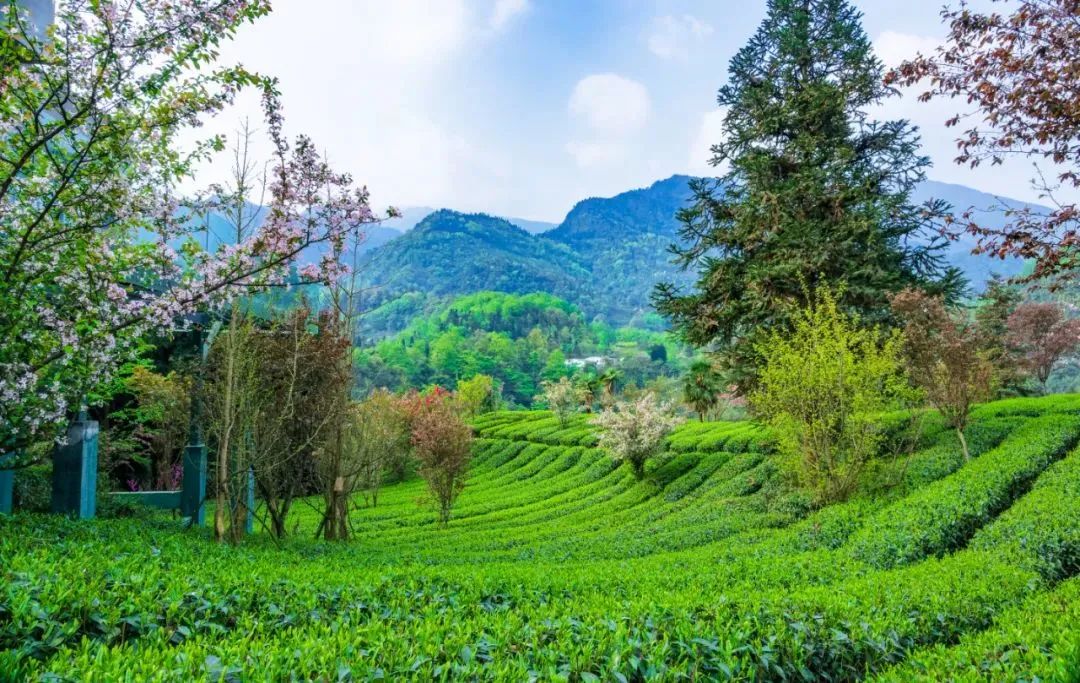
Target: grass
(559,566)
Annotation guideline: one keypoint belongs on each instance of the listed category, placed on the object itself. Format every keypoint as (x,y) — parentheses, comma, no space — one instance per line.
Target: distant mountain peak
(412,217)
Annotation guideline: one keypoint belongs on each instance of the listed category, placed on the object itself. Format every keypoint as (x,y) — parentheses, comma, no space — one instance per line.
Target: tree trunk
(963,444)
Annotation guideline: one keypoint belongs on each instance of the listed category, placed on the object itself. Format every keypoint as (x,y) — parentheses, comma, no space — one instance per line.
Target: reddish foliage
(943,357)
(1021,74)
(442,444)
(1042,336)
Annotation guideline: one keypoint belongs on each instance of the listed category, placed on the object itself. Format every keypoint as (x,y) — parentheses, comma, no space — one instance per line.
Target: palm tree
(589,389)
(609,379)
(702,388)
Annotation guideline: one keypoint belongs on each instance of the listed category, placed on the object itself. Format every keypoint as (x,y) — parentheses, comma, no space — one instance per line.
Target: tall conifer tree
(814,190)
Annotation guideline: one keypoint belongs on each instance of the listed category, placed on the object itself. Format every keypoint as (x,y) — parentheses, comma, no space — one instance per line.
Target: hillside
(411,216)
(454,253)
(606,256)
(519,340)
(559,565)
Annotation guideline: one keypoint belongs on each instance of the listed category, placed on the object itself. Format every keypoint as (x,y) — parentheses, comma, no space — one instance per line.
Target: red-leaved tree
(1041,336)
(442,444)
(944,359)
(1019,74)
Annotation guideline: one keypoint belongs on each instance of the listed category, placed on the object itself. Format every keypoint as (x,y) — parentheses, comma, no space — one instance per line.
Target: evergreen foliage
(814,190)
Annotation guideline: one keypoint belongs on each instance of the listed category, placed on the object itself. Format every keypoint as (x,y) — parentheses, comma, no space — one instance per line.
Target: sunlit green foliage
(518,340)
(822,389)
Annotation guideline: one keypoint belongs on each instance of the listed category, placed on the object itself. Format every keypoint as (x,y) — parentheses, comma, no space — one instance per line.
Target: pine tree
(815,191)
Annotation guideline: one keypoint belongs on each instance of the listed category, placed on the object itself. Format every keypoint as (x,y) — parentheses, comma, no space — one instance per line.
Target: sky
(524,107)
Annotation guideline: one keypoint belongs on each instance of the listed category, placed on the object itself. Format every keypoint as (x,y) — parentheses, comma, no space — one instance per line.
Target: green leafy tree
(555,367)
(815,190)
(822,390)
(476,395)
(992,312)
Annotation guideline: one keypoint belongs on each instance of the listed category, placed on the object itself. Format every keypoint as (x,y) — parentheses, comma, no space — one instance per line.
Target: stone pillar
(75,470)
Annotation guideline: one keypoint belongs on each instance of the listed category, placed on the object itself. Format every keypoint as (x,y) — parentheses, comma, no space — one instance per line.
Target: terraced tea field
(559,566)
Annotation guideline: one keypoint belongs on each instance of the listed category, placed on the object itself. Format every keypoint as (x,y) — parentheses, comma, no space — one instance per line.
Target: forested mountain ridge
(411,216)
(649,210)
(455,253)
(606,255)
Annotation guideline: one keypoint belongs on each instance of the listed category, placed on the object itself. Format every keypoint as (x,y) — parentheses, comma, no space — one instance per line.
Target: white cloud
(505,11)
(709,133)
(364,90)
(892,47)
(596,152)
(611,104)
(671,37)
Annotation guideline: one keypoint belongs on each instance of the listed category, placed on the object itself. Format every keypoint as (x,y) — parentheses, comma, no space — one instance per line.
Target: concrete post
(193,491)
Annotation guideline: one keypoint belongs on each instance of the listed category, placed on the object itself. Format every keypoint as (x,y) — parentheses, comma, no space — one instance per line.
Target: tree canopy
(814,190)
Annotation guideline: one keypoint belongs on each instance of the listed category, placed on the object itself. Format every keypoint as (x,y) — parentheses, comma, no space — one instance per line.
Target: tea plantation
(557,565)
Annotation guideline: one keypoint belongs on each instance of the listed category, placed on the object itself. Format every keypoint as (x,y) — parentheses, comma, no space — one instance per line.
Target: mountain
(455,253)
(412,216)
(605,257)
(378,235)
(989,211)
(624,240)
(649,210)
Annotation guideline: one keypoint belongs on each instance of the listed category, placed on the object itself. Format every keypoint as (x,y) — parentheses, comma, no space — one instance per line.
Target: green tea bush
(556,565)
(33,488)
(1043,529)
(943,515)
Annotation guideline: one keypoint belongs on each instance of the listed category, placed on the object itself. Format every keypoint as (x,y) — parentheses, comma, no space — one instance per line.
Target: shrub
(561,398)
(821,391)
(634,431)
(442,443)
(942,516)
(33,488)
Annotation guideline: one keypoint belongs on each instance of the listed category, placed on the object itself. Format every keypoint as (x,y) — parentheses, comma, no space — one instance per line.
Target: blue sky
(522,107)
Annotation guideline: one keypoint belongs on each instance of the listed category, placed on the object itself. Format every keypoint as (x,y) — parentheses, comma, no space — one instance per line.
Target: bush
(1042,530)
(634,431)
(822,390)
(942,516)
(33,488)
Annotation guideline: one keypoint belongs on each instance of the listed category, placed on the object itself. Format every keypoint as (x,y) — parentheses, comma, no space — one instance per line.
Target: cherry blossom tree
(96,248)
(634,431)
